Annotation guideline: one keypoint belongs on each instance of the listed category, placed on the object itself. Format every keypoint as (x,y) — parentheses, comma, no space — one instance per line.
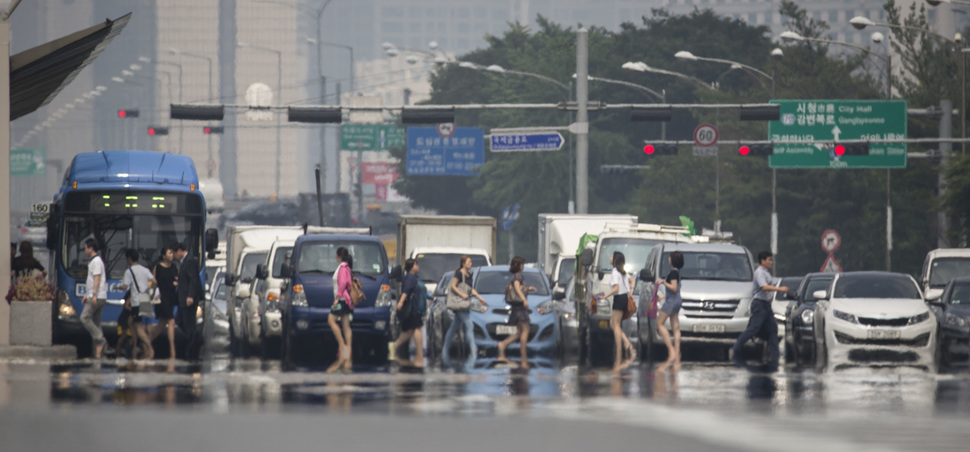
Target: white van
(941,266)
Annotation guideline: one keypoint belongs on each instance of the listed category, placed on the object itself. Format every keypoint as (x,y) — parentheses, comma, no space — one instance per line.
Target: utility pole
(582,121)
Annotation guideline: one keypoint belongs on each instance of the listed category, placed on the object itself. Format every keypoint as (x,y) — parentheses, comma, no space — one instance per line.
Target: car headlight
(299,296)
(808,316)
(919,318)
(844,316)
(955,320)
(272,301)
(385,298)
(546,307)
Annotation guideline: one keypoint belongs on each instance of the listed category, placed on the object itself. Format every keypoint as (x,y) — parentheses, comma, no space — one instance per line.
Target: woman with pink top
(342,311)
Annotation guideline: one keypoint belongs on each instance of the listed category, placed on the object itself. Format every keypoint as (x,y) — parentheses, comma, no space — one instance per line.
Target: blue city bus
(144,200)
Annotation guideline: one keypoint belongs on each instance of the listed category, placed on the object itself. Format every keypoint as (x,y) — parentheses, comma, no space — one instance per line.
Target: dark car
(800,318)
(952,311)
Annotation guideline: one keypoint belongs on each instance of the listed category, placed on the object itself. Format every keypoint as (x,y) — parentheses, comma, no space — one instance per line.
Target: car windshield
(635,251)
(875,286)
(717,266)
(960,294)
(436,264)
(321,257)
(814,285)
(791,283)
(495,282)
(566,270)
(249,263)
(944,269)
(281,255)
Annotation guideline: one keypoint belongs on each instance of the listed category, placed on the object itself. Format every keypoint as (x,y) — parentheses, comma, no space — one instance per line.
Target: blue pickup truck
(308,295)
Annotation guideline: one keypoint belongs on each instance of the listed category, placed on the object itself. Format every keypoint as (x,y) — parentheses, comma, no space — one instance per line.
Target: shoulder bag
(511,296)
(455,302)
(145,307)
(357,292)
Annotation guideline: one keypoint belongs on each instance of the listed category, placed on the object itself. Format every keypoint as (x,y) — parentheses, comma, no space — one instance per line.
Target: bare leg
(142,334)
(523,344)
(419,345)
(662,326)
(675,325)
(335,329)
(171,338)
(616,317)
(348,337)
(402,340)
(502,345)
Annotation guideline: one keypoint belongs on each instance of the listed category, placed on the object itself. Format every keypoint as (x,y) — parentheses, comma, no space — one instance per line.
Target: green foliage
(809,201)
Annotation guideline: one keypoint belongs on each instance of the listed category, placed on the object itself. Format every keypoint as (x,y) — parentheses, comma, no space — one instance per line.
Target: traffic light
(419,115)
(212,129)
(196,112)
(757,149)
(128,113)
(156,130)
(314,114)
(651,113)
(764,112)
(660,148)
(841,149)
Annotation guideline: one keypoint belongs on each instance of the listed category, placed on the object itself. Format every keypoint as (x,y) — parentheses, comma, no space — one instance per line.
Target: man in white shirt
(95,297)
(138,280)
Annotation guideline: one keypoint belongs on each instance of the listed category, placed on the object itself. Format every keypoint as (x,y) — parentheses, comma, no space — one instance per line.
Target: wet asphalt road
(226,404)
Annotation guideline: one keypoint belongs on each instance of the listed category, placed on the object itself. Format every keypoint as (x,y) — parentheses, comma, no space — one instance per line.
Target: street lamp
(876,37)
(175,51)
(685,55)
(279,100)
(861,22)
(661,96)
(640,66)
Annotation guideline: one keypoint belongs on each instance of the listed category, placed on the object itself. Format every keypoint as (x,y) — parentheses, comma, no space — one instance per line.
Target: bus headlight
(67,309)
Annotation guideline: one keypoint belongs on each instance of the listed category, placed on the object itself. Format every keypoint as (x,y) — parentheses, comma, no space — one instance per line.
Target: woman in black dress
(166,272)
(518,313)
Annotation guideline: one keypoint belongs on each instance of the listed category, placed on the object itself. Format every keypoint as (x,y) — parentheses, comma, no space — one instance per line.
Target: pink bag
(652,305)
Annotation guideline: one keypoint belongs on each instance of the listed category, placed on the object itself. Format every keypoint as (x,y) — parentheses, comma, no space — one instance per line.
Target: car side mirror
(559,296)
(286,271)
(820,295)
(934,294)
(397,273)
(211,241)
(938,302)
(586,257)
(791,295)
(261,272)
(230,280)
(646,275)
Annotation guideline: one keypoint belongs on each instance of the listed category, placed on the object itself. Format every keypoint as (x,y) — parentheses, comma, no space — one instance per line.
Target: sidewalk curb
(39,352)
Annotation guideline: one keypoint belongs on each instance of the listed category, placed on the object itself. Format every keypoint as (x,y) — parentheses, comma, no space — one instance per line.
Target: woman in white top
(622,285)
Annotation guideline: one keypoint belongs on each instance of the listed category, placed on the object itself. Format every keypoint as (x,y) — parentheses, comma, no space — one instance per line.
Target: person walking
(342,310)
(671,308)
(621,285)
(165,273)
(461,285)
(26,263)
(408,314)
(95,297)
(762,322)
(190,294)
(518,301)
(137,280)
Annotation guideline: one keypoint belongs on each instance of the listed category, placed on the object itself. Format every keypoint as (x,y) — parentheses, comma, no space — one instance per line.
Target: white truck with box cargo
(941,266)
(559,236)
(438,241)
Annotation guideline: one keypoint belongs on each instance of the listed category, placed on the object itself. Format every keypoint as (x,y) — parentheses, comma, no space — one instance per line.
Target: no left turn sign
(705,135)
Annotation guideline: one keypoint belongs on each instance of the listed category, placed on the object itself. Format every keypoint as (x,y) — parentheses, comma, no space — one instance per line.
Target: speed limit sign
(705,135)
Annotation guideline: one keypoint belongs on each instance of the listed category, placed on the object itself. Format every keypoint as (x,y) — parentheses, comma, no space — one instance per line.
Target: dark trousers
(193,339)
(761,324)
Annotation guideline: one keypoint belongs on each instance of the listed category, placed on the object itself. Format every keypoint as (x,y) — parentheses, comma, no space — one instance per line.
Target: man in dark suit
(190,295)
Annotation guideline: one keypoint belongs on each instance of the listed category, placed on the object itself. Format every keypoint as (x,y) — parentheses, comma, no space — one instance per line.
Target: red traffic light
(151,131)
(839,150)
(744,150)
(206,130)
(128,113)
(648,149)
(122,114)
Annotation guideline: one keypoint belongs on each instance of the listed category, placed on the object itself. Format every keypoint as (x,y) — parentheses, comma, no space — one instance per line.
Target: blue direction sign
(509,215)
(547,141)
(431,154)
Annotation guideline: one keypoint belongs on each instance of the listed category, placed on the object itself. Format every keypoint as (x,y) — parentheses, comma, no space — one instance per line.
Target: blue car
(308,294)
(491,326)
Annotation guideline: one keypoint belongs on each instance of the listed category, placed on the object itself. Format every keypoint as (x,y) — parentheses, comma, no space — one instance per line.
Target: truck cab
(636,243)
(308,294)
(261,310)
(941,266)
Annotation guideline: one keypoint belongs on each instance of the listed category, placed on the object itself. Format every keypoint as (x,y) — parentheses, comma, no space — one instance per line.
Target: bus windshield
(118,230)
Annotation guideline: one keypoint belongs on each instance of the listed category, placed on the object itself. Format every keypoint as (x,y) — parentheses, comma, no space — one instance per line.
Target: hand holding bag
(455,302)
(145,308)
(655,299)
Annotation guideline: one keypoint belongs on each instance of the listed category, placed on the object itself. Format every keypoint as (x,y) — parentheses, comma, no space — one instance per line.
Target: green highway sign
(809,125)
(28,162)
(371,137)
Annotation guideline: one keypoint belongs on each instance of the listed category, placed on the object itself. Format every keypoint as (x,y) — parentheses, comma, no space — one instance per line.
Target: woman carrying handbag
(459,302)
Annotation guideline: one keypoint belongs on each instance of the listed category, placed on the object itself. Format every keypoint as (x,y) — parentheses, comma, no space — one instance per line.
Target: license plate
(505,330)
(710,328)
(883,334)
